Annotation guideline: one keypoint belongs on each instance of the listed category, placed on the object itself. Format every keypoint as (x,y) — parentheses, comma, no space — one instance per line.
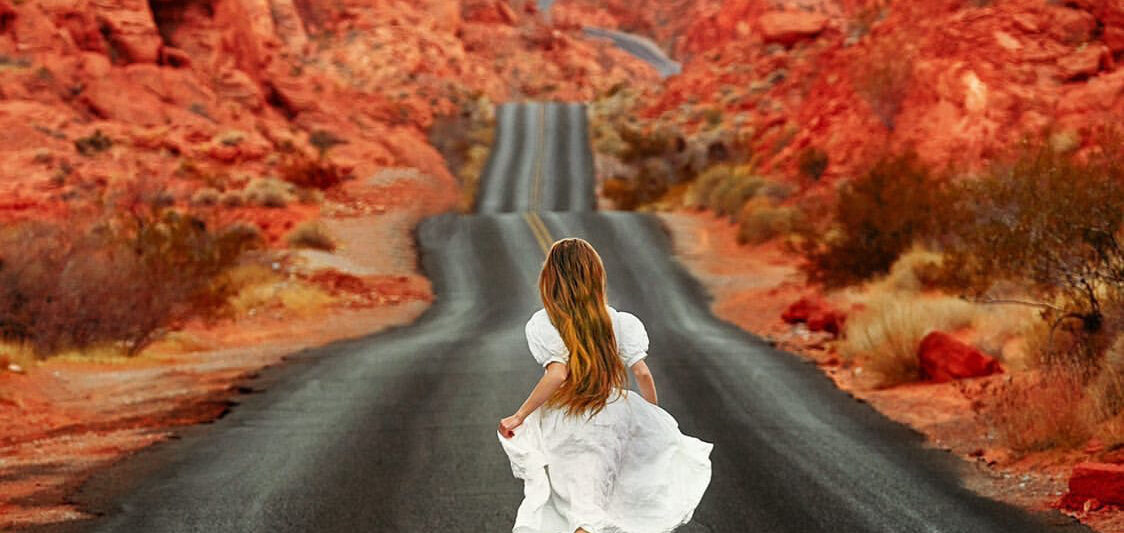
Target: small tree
(878,215)
(1052,223)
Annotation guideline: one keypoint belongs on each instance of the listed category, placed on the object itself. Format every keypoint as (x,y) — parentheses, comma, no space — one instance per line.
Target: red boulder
(1102,483)
(944,358)
(788,27)
(801,309)
(817,314)
(828,320)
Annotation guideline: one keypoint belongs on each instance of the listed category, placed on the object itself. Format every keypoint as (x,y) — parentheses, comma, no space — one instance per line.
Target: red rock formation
(944,358)
(788,27)
(205,92)
(959,83)
(1092,485)
(816,313)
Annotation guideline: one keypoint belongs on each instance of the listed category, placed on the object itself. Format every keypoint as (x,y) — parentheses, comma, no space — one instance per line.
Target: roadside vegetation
(1023,257)
(135,261)
(119,279)
(464,139)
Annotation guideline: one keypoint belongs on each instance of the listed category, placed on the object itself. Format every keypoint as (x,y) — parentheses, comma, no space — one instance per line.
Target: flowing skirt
(626,470)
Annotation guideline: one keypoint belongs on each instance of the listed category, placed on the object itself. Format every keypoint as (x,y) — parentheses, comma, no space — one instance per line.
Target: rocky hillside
(959,80)
(214,94)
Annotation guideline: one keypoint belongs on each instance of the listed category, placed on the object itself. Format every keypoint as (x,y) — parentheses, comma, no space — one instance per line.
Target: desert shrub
(883,73)
(311,173)
(323,141)
(812,162)
(723,186)
(120,280)
(760,220)
(206,196)
(1052,222)
(232,199)
(464,140)
(93,144)
(311,234)
(878,215)
(269,192)
(884,337)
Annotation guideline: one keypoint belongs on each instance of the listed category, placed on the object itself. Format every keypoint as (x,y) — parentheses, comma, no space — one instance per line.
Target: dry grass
(1039,410)
(883,338)
(18,353)
(260,289)
(913,272)
(760,220)
(269,192)
(311,234)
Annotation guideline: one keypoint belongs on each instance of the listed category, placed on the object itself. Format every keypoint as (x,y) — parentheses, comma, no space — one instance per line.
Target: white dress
(626,470)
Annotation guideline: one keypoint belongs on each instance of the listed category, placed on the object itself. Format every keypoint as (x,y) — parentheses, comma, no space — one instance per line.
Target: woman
(596,457)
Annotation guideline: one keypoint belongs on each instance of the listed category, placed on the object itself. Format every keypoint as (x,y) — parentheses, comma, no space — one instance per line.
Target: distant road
(640,47)
(396,432)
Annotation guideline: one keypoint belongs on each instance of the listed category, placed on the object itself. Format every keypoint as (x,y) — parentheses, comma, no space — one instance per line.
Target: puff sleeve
(633,339)
(543,340)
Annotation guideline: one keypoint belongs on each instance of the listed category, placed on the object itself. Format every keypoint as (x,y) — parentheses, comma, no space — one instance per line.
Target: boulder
(130,29)
(1082,64)
(944,358)
(801,309)
(788,27)
(816,313)
(828,320)
(1099,483)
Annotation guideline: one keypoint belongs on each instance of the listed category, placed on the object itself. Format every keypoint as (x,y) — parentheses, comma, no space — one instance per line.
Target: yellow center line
(539,230)
(540,148)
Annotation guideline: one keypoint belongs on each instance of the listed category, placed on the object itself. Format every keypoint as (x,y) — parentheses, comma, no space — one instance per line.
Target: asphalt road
(396,432)
(641,47)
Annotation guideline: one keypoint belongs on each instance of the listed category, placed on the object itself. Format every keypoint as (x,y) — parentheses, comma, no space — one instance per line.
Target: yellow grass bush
(1039,410)
(259,289)
(882,339)
(311,234)
(760,220)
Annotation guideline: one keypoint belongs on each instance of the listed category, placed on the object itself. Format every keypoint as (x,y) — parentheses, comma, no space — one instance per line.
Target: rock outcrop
(208,93)
(1093,485)
(944,358)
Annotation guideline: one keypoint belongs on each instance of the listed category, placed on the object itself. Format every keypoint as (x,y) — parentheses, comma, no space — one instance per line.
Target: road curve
(641,47)
(396,432)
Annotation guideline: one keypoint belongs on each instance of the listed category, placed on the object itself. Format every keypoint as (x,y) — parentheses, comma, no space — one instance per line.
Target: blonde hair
(572,284)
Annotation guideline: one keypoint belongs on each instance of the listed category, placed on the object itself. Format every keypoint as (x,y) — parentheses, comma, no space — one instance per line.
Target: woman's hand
(508,425)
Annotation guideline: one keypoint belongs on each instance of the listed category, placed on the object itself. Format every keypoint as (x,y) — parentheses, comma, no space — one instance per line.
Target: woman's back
(546,343)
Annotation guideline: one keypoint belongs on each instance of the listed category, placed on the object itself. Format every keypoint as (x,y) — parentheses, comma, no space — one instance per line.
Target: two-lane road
(396,432)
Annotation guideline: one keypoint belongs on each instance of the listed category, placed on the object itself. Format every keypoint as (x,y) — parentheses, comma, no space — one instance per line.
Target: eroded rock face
(129,29)
(194,93)
(944,358)
(817,314)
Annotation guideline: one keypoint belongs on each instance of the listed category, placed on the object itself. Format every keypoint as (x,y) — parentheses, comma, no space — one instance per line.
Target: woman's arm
(551,379)
(645,382)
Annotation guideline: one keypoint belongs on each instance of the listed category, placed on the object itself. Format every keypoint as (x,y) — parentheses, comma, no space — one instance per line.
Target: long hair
(572,285)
